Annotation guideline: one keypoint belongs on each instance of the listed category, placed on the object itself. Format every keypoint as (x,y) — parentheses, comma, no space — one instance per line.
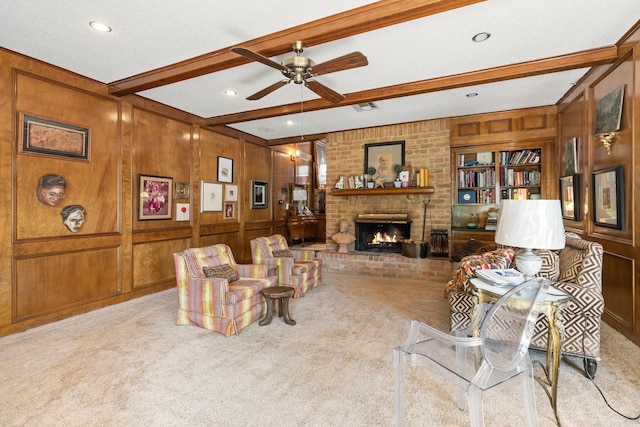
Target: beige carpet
(130,365)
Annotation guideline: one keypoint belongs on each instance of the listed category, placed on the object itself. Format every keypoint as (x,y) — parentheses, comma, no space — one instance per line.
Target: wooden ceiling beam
(554,64)
(349,23)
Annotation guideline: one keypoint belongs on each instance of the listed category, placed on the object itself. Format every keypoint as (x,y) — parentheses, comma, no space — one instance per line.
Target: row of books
(520,157)
(476,178)
(510,177)
(515,193)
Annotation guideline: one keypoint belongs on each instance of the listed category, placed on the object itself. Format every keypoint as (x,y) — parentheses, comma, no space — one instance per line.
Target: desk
(301,227)
(551,307)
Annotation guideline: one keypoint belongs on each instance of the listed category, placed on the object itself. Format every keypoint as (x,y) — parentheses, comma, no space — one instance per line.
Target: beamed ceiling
(422,61)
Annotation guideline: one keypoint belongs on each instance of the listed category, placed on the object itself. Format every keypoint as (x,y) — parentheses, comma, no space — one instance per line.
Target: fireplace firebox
(381,232)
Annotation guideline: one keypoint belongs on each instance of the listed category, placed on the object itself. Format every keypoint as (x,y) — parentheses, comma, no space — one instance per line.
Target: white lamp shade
(532,224)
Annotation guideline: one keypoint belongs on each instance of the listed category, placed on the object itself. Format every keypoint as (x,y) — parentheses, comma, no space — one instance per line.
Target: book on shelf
(500,277)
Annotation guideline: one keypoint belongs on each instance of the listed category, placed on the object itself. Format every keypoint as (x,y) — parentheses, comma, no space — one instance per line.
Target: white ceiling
(148,34)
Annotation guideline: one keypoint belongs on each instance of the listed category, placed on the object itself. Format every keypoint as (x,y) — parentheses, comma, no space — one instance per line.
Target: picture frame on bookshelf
(466,196)
(570,197)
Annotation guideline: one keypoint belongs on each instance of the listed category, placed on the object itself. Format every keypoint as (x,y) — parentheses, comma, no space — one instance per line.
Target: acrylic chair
(476,364)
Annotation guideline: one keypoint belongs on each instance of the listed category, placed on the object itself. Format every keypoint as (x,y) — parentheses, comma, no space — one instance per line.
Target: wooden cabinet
(461,236)
(301,228)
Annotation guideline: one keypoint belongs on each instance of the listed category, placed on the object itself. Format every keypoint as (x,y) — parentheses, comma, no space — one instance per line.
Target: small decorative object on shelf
(340,183)
(371,171)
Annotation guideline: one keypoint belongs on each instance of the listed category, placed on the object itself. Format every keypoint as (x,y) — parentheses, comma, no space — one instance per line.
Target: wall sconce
(608,139)
(295,155)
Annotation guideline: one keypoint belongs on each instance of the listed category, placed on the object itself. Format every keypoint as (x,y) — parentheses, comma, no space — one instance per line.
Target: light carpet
(130,365)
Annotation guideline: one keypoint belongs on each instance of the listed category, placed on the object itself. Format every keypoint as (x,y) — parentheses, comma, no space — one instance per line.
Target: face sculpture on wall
(73,217)
(51,189)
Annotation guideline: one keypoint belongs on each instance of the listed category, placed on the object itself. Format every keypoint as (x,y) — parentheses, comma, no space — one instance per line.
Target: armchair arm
(285,268)
(303,254)
(208,292)
(252,270)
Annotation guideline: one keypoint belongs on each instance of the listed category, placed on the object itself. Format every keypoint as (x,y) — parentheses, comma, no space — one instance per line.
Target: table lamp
(530,224)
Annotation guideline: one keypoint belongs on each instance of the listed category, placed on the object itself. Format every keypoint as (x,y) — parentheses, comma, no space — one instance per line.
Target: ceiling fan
(301,70)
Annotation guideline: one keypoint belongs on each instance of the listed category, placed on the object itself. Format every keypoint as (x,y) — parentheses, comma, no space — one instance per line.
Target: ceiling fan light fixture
(480,37)
(99,26)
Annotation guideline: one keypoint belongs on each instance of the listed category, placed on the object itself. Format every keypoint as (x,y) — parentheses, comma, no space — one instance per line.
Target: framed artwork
(57,139)
(210,197)
(569,197)
(229,210)
(259,195)
(609,111)
(384,156)
(225,169)
(230,193)
(154,197)
(570,157)
(183,190)
(608,197)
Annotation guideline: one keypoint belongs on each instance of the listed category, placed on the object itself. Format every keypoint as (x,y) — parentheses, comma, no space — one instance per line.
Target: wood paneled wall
(576,119)
(48,272)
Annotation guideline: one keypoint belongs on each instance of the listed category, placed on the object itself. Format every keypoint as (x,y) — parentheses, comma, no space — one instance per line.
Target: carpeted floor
(130,365)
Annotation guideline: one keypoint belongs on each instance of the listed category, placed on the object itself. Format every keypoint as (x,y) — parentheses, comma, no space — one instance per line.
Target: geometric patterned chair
(576,270)
(216,293)
(298,268)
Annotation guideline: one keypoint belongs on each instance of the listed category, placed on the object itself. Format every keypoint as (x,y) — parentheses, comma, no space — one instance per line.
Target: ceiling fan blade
(324,92)
(259,58)
(345,62)
(267,90)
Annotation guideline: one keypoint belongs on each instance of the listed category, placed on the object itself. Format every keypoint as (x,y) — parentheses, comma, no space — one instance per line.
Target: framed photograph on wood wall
(230,193)
(210,197)
(225,169)
(154,197)
(259,195)
(608,197)
(229,210)
(384,156)
(570,157)
(57,139)
(569,197)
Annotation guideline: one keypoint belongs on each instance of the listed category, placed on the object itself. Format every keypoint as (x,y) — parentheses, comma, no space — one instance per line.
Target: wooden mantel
(383,191)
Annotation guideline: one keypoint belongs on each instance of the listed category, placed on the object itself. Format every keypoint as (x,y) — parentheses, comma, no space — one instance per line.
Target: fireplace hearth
(381,232)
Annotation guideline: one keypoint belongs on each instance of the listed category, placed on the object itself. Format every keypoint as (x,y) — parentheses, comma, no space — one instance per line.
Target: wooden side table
(277,295)
(552,306)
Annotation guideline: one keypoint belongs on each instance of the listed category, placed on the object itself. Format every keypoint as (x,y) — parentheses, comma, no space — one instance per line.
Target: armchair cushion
(224,271)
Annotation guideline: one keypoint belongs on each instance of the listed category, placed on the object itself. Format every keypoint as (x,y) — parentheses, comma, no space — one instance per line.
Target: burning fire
(379,238)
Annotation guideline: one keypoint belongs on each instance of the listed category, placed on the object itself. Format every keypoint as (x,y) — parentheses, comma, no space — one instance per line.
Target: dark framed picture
(154,197)
(608,197)
(259,195)
(570,197)
(384,156)
(570,157)
(56,139)
(225,169)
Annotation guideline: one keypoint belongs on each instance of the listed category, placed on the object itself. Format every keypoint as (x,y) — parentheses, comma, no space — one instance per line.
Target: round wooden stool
(275,295)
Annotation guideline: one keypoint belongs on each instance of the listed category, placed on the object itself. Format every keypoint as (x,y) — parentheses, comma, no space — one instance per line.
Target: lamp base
(528,263)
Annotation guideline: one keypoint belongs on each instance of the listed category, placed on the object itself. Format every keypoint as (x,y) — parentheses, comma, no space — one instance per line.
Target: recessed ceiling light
(480,37)
(99,26)
(472,94)
(290,122)
(230,92)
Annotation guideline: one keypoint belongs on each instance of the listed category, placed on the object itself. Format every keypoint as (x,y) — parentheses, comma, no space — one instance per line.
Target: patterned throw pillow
(224,271)
(284,253)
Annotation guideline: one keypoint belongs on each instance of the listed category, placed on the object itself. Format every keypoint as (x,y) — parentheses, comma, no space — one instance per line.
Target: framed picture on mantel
(384,156)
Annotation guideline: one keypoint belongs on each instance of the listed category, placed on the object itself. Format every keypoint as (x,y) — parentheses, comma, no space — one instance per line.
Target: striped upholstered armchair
(216,293)
(576,270)
(298,268)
